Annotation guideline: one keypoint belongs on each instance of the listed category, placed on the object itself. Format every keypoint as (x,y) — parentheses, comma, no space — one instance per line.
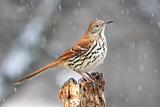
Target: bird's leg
(89,75)
(87,78)
(92,77)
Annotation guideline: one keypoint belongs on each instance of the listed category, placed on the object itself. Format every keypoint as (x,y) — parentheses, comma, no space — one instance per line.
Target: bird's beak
(104,23)
(111,21)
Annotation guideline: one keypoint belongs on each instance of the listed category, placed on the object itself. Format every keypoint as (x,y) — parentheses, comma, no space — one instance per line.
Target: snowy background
(35,32)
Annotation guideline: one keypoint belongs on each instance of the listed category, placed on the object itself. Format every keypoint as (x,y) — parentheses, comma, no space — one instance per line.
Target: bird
(85,55)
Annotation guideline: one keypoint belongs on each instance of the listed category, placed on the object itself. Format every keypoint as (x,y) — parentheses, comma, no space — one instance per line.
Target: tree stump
(85,93)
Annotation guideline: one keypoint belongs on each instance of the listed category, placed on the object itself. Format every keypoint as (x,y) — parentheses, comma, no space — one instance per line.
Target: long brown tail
(38,72)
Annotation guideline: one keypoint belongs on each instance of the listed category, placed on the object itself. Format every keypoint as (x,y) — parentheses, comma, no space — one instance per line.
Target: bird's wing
(80,47)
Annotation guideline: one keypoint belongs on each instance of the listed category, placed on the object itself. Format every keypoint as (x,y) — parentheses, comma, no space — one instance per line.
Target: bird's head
(97,27)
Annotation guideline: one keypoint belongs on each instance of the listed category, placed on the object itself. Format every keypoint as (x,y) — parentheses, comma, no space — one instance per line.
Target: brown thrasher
(83,56)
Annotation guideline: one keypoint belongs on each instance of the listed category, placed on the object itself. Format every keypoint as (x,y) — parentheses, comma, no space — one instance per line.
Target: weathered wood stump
(88,93)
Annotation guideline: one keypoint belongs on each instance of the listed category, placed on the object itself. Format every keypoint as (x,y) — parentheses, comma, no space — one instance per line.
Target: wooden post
(88,93)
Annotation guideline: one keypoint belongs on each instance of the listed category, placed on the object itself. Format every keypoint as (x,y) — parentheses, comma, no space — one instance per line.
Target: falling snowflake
(126,100)
(152,14)
(122,12)
(132,45)
(79,3)
(15,89)
(60,7)
(158,24)
(145,55)
(140,88)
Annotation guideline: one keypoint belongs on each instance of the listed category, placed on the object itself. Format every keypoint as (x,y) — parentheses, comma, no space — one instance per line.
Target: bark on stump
(84,93)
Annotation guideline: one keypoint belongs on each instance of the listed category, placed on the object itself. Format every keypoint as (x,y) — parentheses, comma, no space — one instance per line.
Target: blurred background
(35,32)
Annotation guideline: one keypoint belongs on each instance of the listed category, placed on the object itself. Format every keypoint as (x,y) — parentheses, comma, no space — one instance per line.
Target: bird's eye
(97,25)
